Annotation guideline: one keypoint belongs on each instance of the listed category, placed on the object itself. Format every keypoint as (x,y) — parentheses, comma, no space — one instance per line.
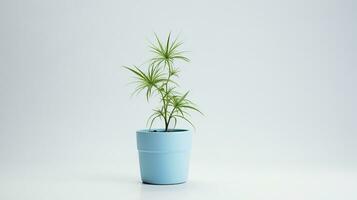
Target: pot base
(148,183)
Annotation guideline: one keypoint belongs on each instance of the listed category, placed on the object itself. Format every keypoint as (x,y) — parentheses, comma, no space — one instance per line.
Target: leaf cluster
(159,79)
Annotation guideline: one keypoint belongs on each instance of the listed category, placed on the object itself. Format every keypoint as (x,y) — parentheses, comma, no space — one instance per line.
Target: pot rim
(161,131)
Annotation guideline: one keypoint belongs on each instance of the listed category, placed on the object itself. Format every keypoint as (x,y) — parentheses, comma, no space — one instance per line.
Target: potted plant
(164,153)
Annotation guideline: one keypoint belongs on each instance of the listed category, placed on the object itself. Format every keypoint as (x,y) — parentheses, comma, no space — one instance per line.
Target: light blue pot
(164,156)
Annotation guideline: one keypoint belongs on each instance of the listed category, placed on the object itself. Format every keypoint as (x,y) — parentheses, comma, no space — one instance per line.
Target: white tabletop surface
(121,181)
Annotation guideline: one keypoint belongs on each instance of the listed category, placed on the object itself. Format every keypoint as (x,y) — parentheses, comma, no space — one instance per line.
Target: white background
(275,79)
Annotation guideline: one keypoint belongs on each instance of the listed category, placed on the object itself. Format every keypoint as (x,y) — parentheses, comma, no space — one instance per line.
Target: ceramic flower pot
(164,156)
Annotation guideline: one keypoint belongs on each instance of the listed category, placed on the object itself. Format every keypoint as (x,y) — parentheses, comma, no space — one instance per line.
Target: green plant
(159,79)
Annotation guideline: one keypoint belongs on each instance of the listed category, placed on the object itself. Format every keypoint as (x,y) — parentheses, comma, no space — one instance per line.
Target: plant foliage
(159,79)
